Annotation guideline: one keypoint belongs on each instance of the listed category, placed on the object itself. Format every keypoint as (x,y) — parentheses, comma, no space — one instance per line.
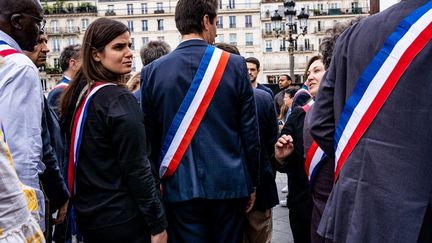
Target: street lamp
(290,14)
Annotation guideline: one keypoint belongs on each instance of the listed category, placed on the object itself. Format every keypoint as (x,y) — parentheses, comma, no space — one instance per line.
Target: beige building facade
(244,23)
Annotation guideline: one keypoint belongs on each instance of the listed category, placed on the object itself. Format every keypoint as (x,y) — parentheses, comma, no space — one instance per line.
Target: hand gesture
(284,147)
(162,237)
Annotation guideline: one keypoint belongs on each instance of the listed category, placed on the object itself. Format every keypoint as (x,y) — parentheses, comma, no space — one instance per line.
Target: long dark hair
(99,34)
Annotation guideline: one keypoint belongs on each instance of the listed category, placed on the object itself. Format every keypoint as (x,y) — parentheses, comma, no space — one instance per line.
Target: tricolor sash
(7,50)
(77,131)
(192,109)
(62,85)
(314,156)
(378,80)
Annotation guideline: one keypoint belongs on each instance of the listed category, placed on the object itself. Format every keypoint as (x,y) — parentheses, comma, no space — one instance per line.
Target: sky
(387,3)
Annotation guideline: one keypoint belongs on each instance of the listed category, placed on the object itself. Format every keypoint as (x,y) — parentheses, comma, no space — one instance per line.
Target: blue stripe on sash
(372,69)
(187,100)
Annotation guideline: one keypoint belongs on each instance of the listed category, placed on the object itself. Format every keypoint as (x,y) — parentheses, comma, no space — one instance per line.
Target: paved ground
(281,227)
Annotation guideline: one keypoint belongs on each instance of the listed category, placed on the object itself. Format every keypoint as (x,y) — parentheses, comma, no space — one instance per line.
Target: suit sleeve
(249,126)
(294,127)
(52,179)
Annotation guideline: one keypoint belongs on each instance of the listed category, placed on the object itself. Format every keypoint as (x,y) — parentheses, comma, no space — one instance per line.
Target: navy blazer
(222,159)
(267,195)
(53,157)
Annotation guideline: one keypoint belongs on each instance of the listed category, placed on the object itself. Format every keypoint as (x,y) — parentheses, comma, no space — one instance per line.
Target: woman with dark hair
(109,175)
(290,153)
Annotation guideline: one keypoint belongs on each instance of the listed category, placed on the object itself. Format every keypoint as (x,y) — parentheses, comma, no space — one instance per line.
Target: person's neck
(254,84)
(68,74)
(192,36)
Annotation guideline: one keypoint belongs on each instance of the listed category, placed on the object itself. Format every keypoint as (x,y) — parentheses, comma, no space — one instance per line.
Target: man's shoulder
(262,94)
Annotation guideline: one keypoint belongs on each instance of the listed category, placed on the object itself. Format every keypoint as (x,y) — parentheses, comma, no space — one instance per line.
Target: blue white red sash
(314,156)
(63,84)
(378,80)
(77,130)
(8,50)
(192,109)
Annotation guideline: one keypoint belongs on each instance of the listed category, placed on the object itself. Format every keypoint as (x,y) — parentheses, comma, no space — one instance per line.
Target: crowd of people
(187,149)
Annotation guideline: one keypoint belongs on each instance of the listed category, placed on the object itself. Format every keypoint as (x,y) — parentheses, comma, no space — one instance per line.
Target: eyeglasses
(41,21)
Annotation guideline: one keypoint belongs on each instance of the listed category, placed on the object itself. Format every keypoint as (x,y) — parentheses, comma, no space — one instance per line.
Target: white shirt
(21,107)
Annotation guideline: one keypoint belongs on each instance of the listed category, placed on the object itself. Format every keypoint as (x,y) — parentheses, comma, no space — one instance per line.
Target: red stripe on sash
(418,44)
(184,144)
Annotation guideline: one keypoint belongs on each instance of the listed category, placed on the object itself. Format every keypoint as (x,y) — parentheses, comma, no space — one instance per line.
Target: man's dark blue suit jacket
(222,159)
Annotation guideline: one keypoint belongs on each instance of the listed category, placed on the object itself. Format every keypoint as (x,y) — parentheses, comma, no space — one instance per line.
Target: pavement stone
(281,227)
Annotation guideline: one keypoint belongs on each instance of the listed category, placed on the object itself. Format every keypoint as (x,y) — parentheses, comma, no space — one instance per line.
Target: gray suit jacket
(385,186)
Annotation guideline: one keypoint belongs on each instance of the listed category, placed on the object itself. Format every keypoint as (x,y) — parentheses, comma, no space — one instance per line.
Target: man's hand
(162,237)
(250,202)
(283,147)
(61,214)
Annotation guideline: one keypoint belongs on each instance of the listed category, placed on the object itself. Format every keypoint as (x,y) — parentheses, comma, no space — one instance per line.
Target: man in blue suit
(206,197)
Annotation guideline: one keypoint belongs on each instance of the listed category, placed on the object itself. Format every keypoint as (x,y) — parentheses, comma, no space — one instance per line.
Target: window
(160,24)
(268,46)
(268,28)
(84,24)
(161,38)
(307,44)
(232,20)
(130,25)
(249,39)
(220,4)
(144,25)
(319,25)
(129,9)
(70,25)
(71,41)
(159,6)
(248,21)
(54,26)
(248,4)
(233,39)
(220,38)
(231,4)
(144,40)
(144,9)
(132,44)
(219,22)
(56,45)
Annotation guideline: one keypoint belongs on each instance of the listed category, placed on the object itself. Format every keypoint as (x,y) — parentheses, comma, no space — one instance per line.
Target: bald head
(22,20)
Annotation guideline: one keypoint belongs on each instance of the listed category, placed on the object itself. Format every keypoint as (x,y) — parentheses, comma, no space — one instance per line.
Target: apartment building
(244,23)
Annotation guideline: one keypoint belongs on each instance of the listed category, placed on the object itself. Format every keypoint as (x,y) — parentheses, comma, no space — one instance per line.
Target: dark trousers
(206,221)
(300,220)
(133,231)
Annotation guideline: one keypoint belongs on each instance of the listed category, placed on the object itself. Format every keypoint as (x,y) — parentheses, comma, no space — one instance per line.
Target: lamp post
(290,14)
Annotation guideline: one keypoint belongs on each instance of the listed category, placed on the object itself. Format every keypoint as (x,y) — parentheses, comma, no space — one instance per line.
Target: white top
(21,107)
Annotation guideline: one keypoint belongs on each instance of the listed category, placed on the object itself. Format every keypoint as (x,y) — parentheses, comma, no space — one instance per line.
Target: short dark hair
(153,50)
(287,76)
(189,15)
(254,61)
(291,92)
(228,48)
(68,53)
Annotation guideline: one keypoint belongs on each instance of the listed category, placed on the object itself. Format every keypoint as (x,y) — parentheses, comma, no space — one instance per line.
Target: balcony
(110,13)
(84,8)
(338,11)
(51,31)
(159,11)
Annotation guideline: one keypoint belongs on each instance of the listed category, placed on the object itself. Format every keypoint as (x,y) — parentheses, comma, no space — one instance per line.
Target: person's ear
(206,22)
(16,21)
(96,55)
